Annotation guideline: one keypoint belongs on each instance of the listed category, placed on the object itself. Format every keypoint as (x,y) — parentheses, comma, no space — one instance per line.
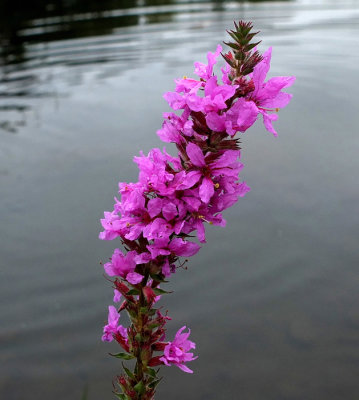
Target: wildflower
(112,226)
(268,96)
(116,296)
(124,266)
(206,71)
(177,352)
(196,222)
(112,328)
(157,217)
(176,247)
(224,165)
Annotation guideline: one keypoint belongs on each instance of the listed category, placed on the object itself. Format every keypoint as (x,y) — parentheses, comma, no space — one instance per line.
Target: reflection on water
(44,21)
(40,33)
(272,299)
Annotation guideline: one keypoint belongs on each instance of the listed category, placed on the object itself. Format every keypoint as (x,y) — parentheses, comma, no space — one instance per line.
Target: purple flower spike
(161,218)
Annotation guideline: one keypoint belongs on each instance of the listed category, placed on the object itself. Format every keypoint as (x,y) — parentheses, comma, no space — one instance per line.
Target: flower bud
(149,294)
(159,346)
(155,361)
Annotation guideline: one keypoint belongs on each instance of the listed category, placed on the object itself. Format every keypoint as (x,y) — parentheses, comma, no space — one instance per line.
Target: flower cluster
(177,197)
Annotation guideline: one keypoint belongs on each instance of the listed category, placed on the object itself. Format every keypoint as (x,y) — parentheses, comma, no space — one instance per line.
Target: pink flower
(177,352)
(186,84)
(157,171)
(124,266)
(168,269)
(112,327)
(268,96)
(226,164)
(241,116)
(204,214)
(116,296)
(205,71)
(112,226)
(175,100)
(176,246)
(132,197)
(217,95)
(171,128)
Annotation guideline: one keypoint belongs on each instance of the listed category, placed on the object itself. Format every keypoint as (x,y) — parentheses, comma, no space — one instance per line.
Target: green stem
(141,366)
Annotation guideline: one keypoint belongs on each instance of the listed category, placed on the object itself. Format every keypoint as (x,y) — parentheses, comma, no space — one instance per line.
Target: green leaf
(244,41)
(124,356)
(153,326)
(140,387)
(160,291)
(121,396)
(233,45)
(244,27)
(152,372)
(233,36)
(133,315)
(237,34)
(158,278)
(246,30)
(128,372)
(153,384)
(132,292)
(152,311)
(251,36)
(251,46)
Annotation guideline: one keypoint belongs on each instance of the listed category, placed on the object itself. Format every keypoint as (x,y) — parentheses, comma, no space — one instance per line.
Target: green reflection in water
(64,19)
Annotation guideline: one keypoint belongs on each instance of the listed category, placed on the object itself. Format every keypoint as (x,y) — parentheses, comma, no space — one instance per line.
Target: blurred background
(272,299)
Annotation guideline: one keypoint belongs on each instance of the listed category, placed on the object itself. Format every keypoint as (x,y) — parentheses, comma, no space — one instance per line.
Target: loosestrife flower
(177,197)
(112,328)
(177,351)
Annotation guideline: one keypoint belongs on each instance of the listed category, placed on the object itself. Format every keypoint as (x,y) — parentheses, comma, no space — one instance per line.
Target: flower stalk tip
(242,60)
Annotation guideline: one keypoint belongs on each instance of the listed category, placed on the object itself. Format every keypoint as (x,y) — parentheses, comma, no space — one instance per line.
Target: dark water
(272,300)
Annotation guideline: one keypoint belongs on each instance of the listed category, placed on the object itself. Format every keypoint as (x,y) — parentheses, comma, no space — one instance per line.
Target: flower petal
(183,248)
(267,119)
(134,278)
(260,71)
(184,368)
(216,122)
(247,114)
(154,206)
(195,155)
(228,158)
(206,190)
(113,315)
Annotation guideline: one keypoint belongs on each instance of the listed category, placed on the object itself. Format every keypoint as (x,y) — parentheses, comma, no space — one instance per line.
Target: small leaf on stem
(124,356)
(140,387)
